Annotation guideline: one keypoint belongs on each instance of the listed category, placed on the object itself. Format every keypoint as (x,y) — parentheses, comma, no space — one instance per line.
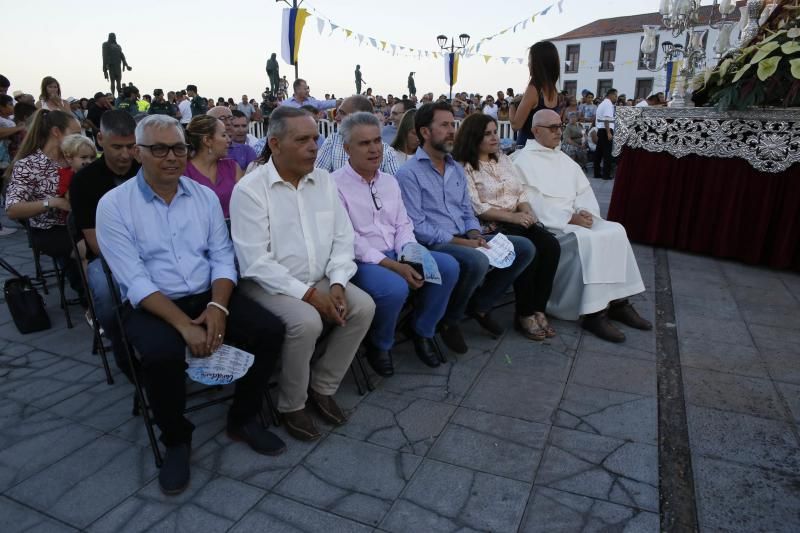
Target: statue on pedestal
(113,62)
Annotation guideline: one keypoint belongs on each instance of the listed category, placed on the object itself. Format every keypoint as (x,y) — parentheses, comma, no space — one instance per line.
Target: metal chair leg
(61,277)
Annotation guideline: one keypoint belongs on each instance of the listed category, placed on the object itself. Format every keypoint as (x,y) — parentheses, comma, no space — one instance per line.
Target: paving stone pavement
(513,436)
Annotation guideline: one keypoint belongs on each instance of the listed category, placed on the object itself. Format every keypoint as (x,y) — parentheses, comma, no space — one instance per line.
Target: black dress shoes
(426,351)
(380,361)
(453,338)
(173,478)
(623,311)
(257,437)
(599,324)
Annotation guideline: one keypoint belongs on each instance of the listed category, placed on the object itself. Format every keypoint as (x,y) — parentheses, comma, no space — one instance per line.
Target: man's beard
(443,146)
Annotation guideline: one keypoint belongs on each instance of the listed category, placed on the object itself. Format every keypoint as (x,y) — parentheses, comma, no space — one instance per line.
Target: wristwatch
(46,204)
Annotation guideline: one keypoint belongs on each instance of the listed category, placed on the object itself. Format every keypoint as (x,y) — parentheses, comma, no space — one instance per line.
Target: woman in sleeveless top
(544,67)
(209,164)
(50,96)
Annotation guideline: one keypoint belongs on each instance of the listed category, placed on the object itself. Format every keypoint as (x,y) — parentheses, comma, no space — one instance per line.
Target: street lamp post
(442,40)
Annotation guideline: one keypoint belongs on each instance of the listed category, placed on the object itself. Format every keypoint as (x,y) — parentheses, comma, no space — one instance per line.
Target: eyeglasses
(555,128)
(161,150)
(376,200)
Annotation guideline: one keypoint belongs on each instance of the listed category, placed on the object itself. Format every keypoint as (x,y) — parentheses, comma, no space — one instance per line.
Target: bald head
(353,104)
(219,111)
(547,128)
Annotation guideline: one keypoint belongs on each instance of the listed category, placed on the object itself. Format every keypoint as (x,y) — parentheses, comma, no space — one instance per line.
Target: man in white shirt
(652,100)
(597,270)
(185,108)
(489,107)
(294,242)
(604,122)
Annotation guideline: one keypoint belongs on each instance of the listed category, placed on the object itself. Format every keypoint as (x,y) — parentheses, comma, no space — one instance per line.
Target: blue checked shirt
(332,156)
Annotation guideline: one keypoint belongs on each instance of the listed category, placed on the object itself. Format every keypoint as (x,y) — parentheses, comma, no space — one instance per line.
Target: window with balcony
(573,58)
(571,87)
(644,88)
(608,54)
(602,88)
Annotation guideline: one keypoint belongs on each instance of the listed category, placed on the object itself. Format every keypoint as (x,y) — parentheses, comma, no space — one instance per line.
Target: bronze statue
(113,62)
(273,73)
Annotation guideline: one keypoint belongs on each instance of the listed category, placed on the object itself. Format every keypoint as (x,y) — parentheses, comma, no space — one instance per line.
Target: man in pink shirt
(382,228)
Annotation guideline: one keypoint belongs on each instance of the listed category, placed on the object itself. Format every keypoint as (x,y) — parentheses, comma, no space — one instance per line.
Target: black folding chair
(41,274)
(140,404)
(97,344)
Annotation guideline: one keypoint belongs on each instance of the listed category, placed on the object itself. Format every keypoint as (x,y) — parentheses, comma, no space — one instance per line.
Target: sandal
(541,319)
(530,328)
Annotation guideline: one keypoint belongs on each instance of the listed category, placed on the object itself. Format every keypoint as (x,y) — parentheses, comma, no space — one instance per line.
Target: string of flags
(291,39)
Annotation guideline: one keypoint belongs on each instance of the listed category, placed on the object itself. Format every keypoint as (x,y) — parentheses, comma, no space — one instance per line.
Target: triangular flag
(515,27)
(402,48)
(360,38)
(525,24)
(487,58)
(348,32)
(560,6)
(505,60)
(520,60)
(545,10)
(568,63)
(394,49)
(320,25)
(478,48)
(383,45)
(435,55)
(533,19)
(334,27)
(502,32)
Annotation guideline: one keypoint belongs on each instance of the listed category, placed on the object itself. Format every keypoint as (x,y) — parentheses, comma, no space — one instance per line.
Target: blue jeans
(477,287)
(104,311)
(390,291)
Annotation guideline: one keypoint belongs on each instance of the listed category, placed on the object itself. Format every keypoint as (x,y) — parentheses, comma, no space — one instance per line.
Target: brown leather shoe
(624,312)
(300,425)
(598,324)
(327,408)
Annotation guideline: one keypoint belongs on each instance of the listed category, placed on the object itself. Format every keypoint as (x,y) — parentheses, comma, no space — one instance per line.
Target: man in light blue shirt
(301,97)
(435,194)
(164,238)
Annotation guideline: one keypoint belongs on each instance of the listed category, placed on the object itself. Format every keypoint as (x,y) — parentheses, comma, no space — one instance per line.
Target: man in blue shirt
(435,195)
(165,239)
(302,97)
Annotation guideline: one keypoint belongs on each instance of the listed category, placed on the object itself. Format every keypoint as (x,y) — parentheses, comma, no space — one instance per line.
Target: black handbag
(24,302)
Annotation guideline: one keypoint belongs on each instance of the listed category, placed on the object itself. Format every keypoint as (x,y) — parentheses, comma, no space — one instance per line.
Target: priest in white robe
(597,271)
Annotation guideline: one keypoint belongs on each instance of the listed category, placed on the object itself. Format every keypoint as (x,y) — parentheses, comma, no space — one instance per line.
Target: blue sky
(222,47)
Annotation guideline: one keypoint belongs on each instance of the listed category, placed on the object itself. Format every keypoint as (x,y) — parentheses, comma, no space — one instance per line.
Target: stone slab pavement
(513,436)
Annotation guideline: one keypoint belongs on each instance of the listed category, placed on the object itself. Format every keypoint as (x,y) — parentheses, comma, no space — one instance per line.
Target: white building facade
(606,53)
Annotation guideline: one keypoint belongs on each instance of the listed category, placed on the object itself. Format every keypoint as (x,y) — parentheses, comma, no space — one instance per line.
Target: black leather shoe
(598,324)
(174,474)
(257,437)
(489,324)
(624,312)
(453,338)
(380,361)
(426,351)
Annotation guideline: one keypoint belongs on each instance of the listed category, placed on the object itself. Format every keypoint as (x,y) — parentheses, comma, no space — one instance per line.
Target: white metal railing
(327,126)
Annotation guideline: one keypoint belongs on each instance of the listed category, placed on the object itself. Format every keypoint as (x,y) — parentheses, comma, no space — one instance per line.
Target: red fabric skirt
(720,207)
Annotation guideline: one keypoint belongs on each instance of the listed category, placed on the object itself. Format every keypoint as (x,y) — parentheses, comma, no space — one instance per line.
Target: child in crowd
(79,151)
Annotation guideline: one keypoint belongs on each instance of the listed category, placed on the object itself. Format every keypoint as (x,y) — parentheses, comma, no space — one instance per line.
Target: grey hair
(362,118)
(278,120)
(156,122)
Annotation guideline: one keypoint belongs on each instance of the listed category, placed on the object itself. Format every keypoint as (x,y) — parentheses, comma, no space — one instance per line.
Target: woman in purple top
(208,164)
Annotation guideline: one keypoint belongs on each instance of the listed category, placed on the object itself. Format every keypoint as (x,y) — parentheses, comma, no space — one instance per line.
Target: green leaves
(767,67)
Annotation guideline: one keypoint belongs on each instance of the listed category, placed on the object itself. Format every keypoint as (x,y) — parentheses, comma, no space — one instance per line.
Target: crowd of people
(214,236)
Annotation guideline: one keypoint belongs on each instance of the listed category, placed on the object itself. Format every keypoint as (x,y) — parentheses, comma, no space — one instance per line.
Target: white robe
(597,264)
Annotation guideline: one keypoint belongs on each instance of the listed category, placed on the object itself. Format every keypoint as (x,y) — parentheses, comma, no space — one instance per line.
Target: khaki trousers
(304,326)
